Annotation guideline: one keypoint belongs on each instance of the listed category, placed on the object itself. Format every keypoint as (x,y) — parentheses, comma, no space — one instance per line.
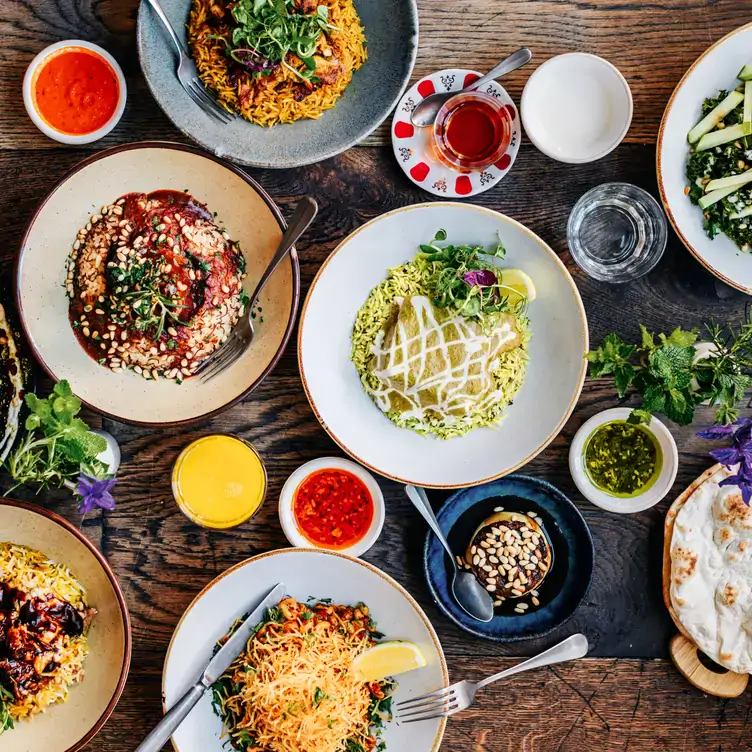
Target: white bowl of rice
(539,392)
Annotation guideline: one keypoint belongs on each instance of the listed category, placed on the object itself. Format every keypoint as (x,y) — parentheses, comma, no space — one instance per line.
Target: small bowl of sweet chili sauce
(74,92)
(472,131)
(334,504)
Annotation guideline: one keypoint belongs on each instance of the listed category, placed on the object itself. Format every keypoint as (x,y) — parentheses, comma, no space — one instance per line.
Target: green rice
(414,278)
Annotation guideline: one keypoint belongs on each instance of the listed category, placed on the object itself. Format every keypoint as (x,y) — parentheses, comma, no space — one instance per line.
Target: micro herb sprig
(6,700)
(464,280)
(268,31)
(671,379)
(58,446)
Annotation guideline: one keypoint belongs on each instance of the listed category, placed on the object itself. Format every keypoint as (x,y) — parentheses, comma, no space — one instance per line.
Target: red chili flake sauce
(474,129)
(333,508)
(76,91)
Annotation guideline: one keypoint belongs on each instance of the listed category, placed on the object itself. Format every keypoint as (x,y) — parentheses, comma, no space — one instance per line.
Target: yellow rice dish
(44,618)
(276,61)
(441,344)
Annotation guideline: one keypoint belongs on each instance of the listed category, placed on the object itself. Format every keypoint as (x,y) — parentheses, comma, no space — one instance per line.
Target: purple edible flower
(480,278)
(738,455)
(94,493)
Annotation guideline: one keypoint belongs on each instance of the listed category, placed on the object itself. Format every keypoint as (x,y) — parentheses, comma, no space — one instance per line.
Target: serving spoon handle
(515,60)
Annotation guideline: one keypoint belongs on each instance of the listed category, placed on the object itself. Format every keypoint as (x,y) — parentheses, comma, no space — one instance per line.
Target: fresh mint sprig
(665,371)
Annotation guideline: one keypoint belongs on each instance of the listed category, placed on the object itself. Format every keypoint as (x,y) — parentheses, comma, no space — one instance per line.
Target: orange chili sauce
(76,91)
(333,508)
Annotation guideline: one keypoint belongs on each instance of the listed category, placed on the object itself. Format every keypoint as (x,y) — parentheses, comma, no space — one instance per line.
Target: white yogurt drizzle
(481,351)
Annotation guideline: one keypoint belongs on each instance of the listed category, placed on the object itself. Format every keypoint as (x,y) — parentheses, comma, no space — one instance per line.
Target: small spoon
(472,597)
(425,113)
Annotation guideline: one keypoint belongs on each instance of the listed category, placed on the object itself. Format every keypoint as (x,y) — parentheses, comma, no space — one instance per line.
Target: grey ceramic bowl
(392,39)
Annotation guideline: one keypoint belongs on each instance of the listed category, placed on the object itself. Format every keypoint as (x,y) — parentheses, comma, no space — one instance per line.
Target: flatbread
(708,585)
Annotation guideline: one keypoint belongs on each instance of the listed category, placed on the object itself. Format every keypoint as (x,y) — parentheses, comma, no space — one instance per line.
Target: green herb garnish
(669,377)
(6,700)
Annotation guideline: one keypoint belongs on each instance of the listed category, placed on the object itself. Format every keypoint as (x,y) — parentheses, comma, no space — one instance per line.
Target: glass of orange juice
(219,481)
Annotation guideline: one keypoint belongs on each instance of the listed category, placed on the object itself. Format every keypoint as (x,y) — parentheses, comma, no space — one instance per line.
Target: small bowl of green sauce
(620,466)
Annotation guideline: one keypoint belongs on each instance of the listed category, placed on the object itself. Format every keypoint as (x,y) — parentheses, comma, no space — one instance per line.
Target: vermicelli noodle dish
(44,619)
(276,61)
(295,687)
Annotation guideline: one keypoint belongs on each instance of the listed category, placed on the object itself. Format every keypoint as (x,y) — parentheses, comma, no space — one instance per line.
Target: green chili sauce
(622,459)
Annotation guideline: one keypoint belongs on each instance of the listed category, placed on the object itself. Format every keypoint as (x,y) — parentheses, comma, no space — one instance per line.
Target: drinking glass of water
(617,232)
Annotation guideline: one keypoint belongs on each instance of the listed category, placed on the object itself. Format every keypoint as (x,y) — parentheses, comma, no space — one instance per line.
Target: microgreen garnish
(6,700)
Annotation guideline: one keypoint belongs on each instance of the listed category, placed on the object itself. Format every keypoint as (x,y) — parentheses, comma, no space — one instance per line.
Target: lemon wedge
(517,284)
(388,659)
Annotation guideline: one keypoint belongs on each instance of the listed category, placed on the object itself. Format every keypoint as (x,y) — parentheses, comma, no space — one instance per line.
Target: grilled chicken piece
(328,70)
(306,6)
(245,92)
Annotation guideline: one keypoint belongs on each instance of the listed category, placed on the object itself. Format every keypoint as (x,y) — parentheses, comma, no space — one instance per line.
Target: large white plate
(249,215)
(555,372)
(715,69)
(306,572)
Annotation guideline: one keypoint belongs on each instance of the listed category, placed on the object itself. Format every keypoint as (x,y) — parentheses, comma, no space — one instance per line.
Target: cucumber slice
(732,181)
(747,119)
(745,74)
(713,198)
(731,102)
(743,213)
(723,136)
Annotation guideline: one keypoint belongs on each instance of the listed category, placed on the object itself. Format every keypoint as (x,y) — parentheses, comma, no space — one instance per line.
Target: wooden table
(627,696)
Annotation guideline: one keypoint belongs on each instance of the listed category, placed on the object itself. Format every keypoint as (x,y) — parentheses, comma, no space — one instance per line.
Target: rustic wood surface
(628,696)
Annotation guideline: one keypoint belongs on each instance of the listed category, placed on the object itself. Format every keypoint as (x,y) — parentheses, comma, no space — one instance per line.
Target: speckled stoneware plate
(70,726)
(413,146)
(307,573)
(714,70)
(564,587)
(391,28)
(554,375)
(242,206)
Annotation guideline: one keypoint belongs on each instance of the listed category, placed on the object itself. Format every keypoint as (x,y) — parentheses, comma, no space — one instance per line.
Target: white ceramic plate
(555,372)
(306,572)
(244,209)
(715,69)
(70,726)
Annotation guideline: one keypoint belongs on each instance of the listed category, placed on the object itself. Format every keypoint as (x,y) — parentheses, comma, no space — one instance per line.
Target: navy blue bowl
(563,589)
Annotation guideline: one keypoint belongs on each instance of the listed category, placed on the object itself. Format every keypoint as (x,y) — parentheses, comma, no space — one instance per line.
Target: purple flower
(94,493)
(738,455)
(480,278)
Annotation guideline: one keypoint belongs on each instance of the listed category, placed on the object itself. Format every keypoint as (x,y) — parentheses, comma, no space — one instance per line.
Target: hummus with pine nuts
(154,285)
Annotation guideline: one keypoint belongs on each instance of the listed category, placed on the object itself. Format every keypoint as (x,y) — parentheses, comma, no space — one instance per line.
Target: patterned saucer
(412,146)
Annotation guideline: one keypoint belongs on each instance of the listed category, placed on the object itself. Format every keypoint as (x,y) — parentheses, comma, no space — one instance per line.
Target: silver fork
(188,73)
(460,696)
(240,337)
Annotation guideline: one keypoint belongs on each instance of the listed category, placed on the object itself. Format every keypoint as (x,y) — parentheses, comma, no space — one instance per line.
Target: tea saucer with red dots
(413,147)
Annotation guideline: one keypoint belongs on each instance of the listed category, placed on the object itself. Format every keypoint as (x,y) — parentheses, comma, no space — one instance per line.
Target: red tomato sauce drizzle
(333,508)
(76,91)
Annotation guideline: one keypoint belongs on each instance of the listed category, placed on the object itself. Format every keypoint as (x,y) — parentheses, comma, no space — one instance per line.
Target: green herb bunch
(6,700)
(58,446)
(268,31)
(465,279)
(671,380)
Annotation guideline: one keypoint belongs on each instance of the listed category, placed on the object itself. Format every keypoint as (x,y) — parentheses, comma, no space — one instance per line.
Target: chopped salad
(719,168)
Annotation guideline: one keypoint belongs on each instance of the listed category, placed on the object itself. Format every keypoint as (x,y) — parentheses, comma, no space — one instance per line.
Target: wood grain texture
(628,696)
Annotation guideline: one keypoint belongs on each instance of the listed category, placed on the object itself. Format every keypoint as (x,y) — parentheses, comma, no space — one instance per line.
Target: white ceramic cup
(36,118)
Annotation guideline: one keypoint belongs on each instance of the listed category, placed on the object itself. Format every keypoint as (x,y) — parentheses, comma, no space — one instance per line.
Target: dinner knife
(217,666)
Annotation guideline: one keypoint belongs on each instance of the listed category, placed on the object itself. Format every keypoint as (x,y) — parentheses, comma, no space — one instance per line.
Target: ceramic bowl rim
(263,195)
(548,488)
(287,517)
(119,596)
(36,118)
(401,589)
(639,503)
(412,57)
(659,154)
(592,157)
(522,228)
